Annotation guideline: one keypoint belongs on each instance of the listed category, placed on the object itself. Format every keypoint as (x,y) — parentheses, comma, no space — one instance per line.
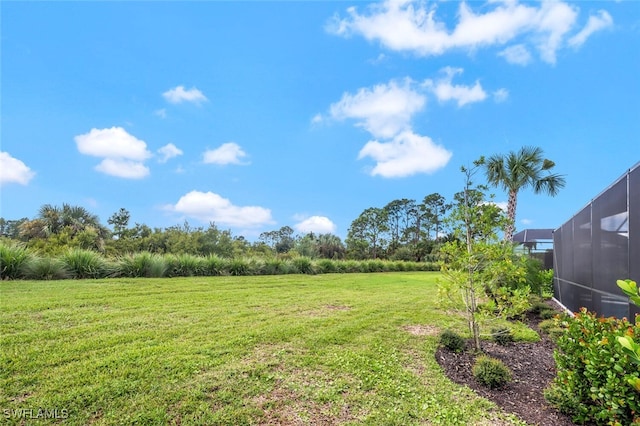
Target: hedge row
(17,262)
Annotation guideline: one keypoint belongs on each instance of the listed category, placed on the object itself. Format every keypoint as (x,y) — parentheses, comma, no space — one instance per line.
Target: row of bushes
(17,262)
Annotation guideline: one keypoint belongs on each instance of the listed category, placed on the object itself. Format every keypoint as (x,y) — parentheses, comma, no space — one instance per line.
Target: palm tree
(520,170)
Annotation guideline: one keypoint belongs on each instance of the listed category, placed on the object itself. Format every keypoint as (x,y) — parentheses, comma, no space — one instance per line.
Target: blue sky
(257,115)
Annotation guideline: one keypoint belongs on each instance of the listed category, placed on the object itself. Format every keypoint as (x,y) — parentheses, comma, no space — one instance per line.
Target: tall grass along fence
(18,262)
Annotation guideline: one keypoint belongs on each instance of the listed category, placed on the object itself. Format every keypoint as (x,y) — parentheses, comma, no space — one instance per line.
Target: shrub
(238,267)
(46,268)
(352,266)
(274,266)
(452,341)
(303,265)
(491,372)
(548,314)
(550,327)
(594,374)
(13,257)
(143,264)
(187,265)
(326,266)
(213,265)
(374,265)
(502,336)
(86,264)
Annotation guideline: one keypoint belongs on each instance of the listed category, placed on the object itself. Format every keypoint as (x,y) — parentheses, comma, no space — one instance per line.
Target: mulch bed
(533,370)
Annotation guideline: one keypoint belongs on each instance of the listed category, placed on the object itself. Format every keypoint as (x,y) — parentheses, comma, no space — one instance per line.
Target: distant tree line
(402,230)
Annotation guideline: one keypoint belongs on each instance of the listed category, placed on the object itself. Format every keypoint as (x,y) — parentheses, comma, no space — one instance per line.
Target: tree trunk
(511,214)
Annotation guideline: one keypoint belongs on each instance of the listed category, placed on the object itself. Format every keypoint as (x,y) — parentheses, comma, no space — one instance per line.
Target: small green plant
(502,336)
(547,314)
(452,341)
(491,372)
(550,326)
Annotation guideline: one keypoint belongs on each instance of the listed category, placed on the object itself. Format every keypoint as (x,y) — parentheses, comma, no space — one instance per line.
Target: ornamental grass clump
(143,264)
(491,372)
(13,258)
(46,268)
(452,341)
(84,264)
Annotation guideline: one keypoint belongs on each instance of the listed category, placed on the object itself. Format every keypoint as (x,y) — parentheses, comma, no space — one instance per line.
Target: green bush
(326,266)
(491,372)
(594,374)
(550,327)
(143,264)
(187,265)
(502,336)
(13,258)
(452,341)
(274,266)
(352,266)
(303,265)
(213,265)
(46,268)
(86,264)
(375,266)
(238,267)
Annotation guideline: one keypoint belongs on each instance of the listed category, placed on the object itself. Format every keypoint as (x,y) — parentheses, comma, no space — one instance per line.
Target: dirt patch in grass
(338,308)
(533,370)
(422,330)
(283,406)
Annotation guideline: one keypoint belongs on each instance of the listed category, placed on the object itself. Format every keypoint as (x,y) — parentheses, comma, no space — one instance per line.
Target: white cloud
(526,221)
(211,207)
(112,143)
(127,169)
(406,25)
(13,170)
(554,21)
(123,154)
(517,54)
(406,155)
(383,111)
(179,94)
(317,119)
(317,224)
(169,151)
(595,23)
(227,153)
(446,91)
(162,113)
(501,95)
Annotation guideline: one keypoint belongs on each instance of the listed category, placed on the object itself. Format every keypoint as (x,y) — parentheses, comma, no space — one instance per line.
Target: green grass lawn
(290,349)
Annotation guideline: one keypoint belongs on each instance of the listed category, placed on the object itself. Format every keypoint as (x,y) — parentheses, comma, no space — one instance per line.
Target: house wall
(597,247)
